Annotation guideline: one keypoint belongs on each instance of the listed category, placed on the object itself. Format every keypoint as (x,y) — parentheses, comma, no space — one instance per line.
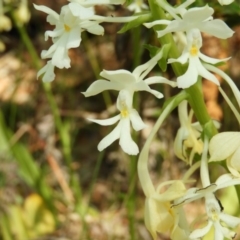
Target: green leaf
(142,18)
(165,50)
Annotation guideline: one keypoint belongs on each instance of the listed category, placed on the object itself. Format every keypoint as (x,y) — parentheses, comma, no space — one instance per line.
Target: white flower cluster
(74,18)
(192,22)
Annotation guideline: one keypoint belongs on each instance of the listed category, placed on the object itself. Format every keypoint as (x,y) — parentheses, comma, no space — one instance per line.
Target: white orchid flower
(123,79)
(198,17)
(225,2)
(67,31)
(226,180)
(47,71)
(137,6)
(192,55)
(69,24)
(214,209)
(188,135)
(122,131)
(159,217)
(215,219)
(226,145)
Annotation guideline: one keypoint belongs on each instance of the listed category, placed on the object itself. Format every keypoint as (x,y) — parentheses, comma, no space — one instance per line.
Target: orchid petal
(136,120)
(234,172)
(178,144)
(235,159)
(157,22)
(48,71)
(96,29)
(182,59)
(47,10)
(123,77)
(190,77)
(218,231)
(110,138)
(156,93)
(124,100)
(204,72)
(126,142)
(79,11)
(216,28)
(60,56)
(74,39)
(158,79)
(157,217)
(225,2)
(100,86)
(223,145)
(227,180)
(142,86)
(212,60)
(106,122)
(198,14)
(141,71)
(174,26)
(53,34)
(229,220)
(198,233)
(230,82)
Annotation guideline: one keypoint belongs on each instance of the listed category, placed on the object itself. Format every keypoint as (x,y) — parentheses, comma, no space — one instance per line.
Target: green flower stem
(64,136)
(196,99)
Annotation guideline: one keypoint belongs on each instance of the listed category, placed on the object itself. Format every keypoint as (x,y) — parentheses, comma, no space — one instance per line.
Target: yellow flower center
(194,51)
(67,28)
(214,215)
(124,109)
(124,113)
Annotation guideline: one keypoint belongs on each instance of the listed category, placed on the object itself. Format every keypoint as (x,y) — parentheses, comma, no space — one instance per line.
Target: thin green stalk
(131,203)
(137,46)
(64,137)
(90,192)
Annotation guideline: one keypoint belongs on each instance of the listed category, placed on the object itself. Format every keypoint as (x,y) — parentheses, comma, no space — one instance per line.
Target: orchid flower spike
(192,55)
(123,79)
(198,17)
(122,131)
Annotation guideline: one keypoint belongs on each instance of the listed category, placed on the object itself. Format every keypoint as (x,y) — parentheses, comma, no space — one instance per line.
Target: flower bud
(22,14)
(5,23)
